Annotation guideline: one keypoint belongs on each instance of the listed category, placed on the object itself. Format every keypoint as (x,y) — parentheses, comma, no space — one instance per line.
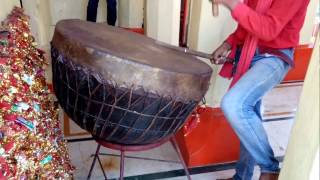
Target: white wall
(306,32)
(163,20)
(131,13)
(46,13)
(314,174)
(40,20)
(6,6)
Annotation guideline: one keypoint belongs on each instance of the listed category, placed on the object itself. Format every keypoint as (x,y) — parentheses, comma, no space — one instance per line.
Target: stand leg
(104,174)
(122,165)
(94,161)
(175,145)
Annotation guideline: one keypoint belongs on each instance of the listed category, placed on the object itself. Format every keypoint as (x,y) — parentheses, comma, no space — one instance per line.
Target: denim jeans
(242,107)
(111,11)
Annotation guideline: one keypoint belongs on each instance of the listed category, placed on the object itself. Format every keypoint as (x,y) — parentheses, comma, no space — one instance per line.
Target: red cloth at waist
(227,69)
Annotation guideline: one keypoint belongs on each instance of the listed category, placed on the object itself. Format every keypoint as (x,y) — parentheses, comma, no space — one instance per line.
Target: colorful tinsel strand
(31,142)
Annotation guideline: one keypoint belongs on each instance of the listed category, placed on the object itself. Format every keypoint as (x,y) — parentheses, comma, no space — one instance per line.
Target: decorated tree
(31,141)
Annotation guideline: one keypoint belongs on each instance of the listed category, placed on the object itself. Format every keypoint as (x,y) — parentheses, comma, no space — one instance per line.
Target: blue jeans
(241,106)
(111,11)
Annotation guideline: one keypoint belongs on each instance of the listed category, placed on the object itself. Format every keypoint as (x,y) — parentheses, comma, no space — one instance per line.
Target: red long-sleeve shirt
(278,27)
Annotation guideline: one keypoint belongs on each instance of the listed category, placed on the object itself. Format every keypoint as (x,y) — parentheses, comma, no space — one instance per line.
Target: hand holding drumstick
(220,55)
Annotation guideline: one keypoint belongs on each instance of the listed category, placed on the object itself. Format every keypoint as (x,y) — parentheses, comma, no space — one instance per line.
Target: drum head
(128,45)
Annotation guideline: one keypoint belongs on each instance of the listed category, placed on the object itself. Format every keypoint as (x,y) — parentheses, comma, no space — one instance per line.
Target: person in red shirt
(262,50)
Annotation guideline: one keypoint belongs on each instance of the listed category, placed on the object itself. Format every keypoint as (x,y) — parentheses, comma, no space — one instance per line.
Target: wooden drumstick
(186,50)
(215,8)
(189,51)
(197,53)
(202,54)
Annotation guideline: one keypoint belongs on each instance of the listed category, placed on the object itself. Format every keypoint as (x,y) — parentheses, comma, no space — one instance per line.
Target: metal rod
(122,165)
(140,158)
(186,50)
(21,4)
(102,169)
(215,8)
(191,51)
(94,162)
(185,167)
(193,171)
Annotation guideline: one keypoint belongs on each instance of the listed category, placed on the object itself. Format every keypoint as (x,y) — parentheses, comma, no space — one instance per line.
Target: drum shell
(116,122)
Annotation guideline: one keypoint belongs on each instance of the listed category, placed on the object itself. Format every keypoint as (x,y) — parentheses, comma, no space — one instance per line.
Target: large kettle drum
(123,87)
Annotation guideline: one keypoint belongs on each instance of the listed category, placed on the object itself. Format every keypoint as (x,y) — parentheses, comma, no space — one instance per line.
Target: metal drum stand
(132,148)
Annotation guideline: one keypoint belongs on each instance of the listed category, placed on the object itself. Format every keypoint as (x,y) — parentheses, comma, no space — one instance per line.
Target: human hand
(219,56)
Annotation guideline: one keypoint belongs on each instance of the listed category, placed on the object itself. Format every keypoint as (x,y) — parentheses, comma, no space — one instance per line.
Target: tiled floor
(80,153)
(283,99)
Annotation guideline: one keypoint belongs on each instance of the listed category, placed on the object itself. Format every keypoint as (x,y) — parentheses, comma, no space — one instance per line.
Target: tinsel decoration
(31,142)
